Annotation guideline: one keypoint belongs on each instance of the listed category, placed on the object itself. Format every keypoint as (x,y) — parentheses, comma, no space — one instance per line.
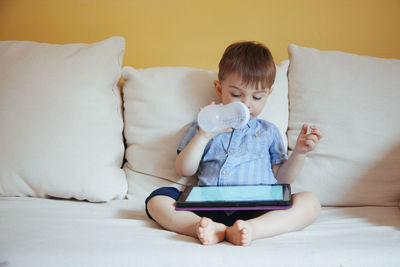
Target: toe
(244,232)
(200,234)
(239,225)
(204,222)
(199,230)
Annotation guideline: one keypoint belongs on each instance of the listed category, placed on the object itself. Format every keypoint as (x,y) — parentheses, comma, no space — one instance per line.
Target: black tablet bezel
(182,204)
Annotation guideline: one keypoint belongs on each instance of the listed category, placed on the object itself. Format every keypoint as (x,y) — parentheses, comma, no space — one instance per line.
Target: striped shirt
(242,157)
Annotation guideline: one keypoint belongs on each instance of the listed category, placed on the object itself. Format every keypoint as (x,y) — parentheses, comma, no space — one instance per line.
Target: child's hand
(211,135)
(307,142)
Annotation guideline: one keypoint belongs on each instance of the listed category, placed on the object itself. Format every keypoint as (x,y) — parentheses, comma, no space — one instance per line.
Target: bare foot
(240,233)
(210,232)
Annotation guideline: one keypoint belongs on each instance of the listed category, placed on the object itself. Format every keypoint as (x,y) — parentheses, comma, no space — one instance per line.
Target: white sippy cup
(217,118)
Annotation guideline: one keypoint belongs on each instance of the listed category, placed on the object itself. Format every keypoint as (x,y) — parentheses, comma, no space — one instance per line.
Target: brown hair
(252,61)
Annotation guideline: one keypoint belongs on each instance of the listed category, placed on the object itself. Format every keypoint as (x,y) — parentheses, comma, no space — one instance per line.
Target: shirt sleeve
(277,149)
(190,132)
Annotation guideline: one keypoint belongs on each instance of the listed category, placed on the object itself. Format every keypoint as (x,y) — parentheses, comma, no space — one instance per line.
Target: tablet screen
(235,193)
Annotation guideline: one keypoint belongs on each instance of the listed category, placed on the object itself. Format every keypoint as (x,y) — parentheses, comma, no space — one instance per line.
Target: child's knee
(310,202)
(159,202)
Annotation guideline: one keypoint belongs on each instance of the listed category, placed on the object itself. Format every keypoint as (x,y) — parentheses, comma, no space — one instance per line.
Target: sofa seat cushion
(118,233)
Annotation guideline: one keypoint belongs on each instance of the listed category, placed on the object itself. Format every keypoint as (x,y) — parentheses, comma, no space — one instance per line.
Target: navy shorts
(215,215)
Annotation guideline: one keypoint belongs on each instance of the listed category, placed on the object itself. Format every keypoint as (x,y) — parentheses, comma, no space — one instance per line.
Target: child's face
(232,89)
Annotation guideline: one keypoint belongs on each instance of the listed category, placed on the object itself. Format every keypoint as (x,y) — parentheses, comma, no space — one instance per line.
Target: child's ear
(218,88)
(270,90)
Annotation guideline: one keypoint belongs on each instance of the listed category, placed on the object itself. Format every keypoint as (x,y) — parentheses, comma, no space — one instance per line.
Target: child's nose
(247,103)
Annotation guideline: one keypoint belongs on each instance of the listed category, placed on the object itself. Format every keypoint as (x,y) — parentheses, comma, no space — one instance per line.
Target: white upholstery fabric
(355,101)
(61,121)
(159,104)
(44,232)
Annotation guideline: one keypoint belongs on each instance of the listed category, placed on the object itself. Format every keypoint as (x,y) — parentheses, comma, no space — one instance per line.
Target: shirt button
(224,172)
(231,151)
(256,135)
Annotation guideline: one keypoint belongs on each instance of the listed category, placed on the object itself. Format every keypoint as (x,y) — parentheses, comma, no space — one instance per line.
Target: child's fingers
(315,130)
(304,128)
(312,137)
(227,130)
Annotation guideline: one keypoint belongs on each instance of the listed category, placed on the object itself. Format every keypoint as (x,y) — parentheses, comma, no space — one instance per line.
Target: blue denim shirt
(244,156)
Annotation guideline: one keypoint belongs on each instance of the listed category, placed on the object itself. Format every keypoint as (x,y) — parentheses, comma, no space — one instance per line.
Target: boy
(253,154)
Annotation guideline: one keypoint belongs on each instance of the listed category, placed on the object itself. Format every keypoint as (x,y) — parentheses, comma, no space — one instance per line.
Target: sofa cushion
(61,121)
(161,102)
(49,233)
(355,101)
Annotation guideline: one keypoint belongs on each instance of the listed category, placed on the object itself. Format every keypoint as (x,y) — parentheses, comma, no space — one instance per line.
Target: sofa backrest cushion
(355,101)
(61,120)
(159,103)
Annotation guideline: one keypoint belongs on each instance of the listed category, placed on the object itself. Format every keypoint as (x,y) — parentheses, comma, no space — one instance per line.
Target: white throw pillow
(161,102)
(61,121)
(355,101)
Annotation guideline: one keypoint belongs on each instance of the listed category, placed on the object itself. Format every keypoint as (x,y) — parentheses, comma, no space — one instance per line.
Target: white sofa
(78,158)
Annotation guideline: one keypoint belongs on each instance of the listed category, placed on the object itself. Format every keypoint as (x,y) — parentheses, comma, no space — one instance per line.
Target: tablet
(237,197)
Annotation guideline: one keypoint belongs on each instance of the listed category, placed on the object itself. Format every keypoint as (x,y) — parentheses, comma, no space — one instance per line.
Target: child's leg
(162,209)
(305,210)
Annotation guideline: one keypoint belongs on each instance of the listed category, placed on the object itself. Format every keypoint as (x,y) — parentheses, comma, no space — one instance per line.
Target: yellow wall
(195,32)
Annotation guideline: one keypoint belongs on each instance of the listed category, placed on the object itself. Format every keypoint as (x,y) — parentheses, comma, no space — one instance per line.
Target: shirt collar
(252,122)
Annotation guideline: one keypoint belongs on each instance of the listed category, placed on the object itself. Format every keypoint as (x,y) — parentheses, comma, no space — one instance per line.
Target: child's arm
(287,172)
(187,161)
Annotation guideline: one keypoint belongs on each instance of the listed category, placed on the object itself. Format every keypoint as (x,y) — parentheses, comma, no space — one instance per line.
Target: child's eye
(257,98)
(235,95)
